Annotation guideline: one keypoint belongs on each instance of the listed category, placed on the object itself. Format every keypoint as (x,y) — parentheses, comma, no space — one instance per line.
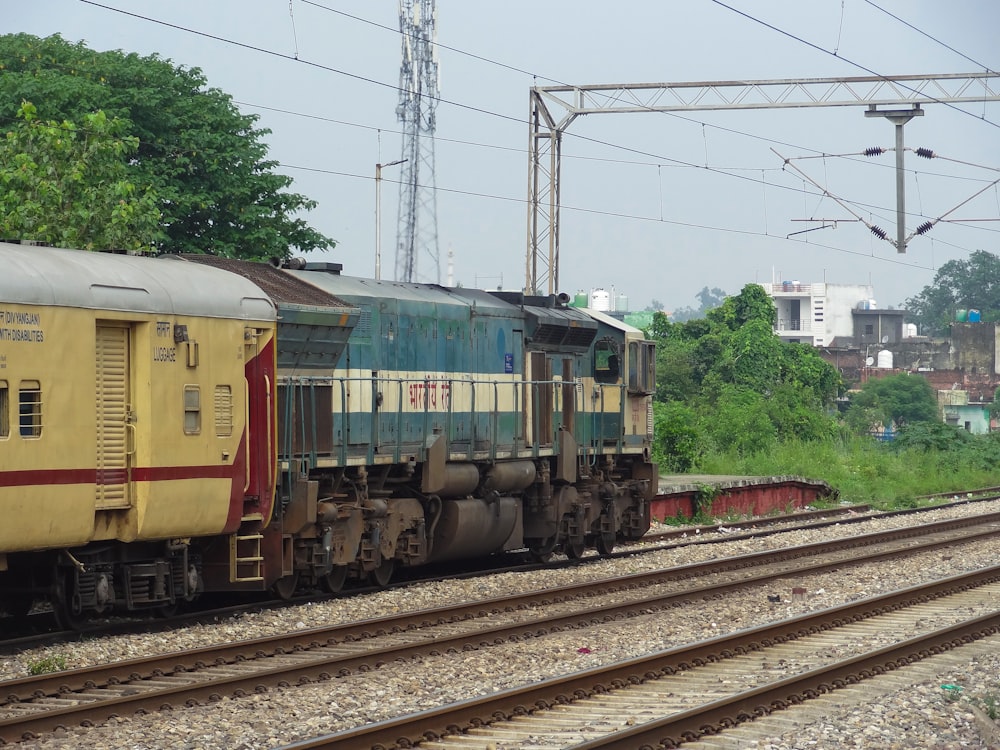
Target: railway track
(680,695)
(39,629)
(31,706)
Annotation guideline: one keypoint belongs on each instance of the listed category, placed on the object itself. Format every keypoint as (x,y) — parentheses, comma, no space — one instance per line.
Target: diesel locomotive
(181,425)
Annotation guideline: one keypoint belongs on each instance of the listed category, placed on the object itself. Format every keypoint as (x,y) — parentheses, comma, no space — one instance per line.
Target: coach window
(4,410)
(29,405)
(192,410)
(223,411)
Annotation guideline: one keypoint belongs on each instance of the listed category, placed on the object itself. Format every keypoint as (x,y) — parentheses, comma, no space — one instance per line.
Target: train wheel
(383,573)
(542,552)
(285,587)
(334,580)
(605,543)
(69,614)
(574,550)
(166,611)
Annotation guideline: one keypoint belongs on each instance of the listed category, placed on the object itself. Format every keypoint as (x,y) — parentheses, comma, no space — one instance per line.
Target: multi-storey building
(818,313)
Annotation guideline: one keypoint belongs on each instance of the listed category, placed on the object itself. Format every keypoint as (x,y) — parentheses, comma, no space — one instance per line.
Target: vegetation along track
(678,695)
(38,704)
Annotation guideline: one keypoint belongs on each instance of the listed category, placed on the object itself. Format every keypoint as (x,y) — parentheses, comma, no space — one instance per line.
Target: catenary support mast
(569,102)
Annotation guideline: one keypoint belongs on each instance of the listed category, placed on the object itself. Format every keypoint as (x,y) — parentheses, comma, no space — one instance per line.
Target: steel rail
(457,718)
(26,688)
(169,674)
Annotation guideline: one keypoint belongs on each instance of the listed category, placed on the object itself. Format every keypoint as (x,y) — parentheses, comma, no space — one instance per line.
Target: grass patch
(869,472)
(47,664)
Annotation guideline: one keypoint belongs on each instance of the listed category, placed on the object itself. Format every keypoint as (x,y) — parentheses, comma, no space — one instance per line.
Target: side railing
(340,418)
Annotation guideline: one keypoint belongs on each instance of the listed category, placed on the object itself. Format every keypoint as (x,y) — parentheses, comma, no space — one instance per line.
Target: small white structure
(600,300)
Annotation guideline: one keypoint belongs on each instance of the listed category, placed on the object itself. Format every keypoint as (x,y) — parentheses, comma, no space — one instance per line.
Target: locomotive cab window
(641,367)
(4,410)
(607,362)
(29,403)
(192,410)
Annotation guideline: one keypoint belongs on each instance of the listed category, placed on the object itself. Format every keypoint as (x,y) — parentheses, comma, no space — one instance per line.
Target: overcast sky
(642,214)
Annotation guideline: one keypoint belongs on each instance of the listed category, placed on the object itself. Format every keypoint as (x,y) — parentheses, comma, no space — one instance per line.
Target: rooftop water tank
(579,299)
(885,359)
(600,299)
(909,330)
(973,315)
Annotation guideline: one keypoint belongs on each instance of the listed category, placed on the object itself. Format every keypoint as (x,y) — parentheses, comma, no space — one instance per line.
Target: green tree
(903,399)
(958,284)
(679,442)
(206,162)
(752,303)
(707,299)
(67,185)
(730,365)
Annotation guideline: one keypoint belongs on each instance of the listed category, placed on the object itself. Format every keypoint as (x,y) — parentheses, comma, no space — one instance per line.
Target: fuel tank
(474,527)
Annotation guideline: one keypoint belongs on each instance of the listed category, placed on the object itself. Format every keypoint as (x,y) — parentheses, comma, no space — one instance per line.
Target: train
(177,426)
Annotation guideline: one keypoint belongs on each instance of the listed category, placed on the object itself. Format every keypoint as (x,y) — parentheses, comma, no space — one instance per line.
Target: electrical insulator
(925,228)
(874,151)
(878,232)
(925,152)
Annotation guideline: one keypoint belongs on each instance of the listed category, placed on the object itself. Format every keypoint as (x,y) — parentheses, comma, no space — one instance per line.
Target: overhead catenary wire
(395,87)
(849,62)
(618,215)
(933,38)
(660,159)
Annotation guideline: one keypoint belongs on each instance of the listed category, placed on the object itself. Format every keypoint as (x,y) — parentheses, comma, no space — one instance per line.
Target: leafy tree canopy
(67,185)
(751,304)
(205,162)
(904,399)
(959,284)
(747,387)
(707,298)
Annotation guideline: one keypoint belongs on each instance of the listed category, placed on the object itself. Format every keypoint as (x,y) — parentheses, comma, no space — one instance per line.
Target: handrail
(438,396)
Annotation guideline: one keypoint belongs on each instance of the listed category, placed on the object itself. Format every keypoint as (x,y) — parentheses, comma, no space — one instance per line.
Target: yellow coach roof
(38,275)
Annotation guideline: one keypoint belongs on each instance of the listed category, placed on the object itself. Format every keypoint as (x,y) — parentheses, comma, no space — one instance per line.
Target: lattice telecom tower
(416,237)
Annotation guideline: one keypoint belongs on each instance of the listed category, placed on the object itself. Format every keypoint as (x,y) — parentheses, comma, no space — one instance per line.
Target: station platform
(721,496)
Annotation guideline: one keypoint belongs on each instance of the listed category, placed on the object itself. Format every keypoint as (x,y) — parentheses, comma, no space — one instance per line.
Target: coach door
(113,419)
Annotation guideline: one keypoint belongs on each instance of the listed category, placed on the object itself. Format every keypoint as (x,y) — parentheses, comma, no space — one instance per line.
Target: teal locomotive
(418,423)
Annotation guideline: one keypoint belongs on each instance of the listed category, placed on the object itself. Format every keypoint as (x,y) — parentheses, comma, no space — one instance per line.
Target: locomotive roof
(280,286)
(602,317)
(361,288)
(40,275)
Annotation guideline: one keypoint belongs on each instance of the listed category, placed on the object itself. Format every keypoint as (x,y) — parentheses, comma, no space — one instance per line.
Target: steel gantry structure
(546,129)
(417,233)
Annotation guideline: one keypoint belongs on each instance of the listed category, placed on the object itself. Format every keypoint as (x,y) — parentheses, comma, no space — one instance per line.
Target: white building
(817,313)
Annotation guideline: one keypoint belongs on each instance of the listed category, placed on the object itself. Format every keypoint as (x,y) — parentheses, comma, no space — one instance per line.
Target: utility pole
(898,117)
(378,215)
(417,237)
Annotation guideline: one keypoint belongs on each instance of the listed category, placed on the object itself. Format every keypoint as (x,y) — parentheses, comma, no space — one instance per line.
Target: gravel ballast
(923,715)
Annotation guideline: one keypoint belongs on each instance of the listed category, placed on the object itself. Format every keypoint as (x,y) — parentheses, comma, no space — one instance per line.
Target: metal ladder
(245,552)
